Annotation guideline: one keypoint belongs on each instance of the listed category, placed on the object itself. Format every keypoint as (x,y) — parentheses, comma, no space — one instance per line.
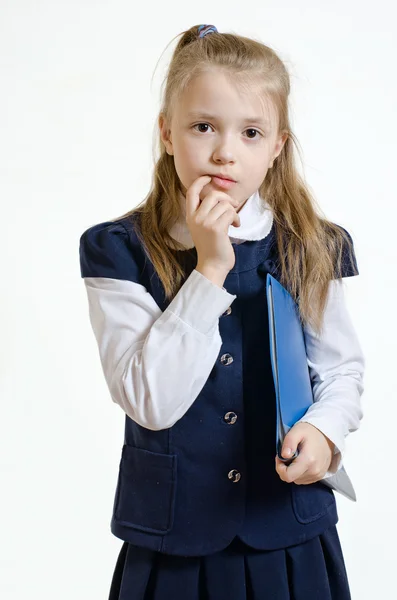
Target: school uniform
(198,503)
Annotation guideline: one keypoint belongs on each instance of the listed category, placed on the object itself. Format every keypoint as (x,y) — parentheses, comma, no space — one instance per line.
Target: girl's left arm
(336,364)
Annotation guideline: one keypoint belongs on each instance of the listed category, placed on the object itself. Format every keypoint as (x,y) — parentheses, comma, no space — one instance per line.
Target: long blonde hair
(309,246)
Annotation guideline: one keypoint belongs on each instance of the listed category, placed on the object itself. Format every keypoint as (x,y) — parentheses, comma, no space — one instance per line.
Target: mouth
(224,178)
(222,182)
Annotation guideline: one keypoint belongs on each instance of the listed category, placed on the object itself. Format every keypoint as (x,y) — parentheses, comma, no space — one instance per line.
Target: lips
(223,183)
(223,177)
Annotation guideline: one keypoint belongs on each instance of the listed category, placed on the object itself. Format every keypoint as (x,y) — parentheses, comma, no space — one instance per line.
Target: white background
(77,113)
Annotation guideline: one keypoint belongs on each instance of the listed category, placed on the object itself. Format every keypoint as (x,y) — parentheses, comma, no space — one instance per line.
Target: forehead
(215,94)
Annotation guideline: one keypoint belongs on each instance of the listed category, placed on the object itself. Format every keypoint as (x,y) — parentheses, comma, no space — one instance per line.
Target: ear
(279,144)
(165,134)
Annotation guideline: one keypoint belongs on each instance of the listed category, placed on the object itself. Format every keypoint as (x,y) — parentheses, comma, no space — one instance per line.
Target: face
(217,128)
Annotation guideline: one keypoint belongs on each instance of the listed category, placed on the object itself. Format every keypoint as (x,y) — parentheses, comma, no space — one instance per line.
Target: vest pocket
(146,486)
(312,501)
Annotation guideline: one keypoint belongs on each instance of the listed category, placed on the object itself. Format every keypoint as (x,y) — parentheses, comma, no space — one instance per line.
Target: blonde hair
(309,246)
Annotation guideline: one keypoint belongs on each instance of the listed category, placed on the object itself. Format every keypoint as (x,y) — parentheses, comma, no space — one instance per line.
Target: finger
(223,214)
(301,481)
(229,218)
(291,442)
(213,198)
(281,468)
(193,194)
(307,480)
(296,469)
(312,474)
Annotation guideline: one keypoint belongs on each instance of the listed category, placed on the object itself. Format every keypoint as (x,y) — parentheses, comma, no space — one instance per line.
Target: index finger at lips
(193,193)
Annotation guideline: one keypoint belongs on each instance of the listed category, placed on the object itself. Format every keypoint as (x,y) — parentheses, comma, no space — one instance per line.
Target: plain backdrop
(77,112)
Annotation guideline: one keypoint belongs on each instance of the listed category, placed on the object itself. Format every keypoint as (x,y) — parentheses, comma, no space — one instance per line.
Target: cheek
(262,160)
(188,155)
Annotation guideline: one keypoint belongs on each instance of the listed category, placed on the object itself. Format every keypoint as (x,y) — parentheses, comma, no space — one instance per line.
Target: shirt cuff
(200,303)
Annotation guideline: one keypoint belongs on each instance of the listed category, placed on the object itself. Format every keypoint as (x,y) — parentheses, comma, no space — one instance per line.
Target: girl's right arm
(155,363)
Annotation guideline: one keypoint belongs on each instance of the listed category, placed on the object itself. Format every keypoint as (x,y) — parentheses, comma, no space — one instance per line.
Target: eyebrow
(203,115)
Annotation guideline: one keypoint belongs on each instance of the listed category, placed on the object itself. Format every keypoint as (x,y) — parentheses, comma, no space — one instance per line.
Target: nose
(224,151)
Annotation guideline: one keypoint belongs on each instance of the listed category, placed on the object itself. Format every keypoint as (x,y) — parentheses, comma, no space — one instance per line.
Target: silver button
(230,418)
(226,359)
(227,312)
(234,475)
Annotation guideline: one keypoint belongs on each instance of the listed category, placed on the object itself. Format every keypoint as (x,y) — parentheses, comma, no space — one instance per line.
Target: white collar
(256,220)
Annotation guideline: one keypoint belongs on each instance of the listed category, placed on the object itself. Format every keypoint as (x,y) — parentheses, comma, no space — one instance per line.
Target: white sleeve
(336,365)
(156,363)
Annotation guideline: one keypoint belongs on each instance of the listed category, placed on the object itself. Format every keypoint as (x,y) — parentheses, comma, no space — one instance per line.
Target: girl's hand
(315,455)
(208,221)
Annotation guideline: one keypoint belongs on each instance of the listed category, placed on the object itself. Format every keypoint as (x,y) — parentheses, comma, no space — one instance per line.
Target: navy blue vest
(190,489)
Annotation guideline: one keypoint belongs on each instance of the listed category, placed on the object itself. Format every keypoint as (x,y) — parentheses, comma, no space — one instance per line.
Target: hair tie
(203,30)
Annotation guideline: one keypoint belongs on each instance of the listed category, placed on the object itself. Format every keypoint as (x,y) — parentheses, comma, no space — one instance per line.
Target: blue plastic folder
(291,375)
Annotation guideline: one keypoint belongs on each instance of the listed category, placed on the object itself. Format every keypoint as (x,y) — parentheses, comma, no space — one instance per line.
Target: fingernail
(287,452)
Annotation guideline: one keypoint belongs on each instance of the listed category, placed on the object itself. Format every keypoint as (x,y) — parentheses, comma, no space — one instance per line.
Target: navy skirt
(313,570)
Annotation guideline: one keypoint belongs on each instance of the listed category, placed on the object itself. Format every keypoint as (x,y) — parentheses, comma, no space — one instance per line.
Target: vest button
(234,475)
(227,312)
(230,418)
(226,359)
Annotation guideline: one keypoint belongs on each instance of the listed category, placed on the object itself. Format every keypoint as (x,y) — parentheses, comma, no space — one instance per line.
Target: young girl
(177,301)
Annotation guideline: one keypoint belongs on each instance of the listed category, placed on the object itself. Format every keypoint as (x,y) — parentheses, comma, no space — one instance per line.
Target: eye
(254,131)
(201,125)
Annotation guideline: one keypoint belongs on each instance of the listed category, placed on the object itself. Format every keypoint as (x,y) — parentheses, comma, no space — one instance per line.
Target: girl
(176,292)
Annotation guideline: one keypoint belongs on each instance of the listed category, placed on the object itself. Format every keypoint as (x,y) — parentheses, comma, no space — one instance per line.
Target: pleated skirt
(314,570)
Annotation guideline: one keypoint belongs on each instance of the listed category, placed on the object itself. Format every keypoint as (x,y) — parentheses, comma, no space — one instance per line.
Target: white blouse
(156,363)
